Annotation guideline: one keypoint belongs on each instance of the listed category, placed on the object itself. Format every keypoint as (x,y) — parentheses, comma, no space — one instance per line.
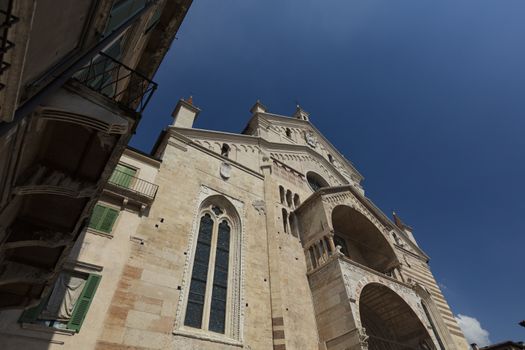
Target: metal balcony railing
(113,79)
(133,184)
(6,21)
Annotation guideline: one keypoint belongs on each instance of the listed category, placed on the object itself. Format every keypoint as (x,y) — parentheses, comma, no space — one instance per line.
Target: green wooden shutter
(103,218)
(96,216)
(84,301)
(110,216)
(122,176)
(30,315)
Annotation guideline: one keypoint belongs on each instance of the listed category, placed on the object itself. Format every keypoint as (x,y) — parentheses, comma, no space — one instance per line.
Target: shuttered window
(77,311)
(123,176)
(84,301)
(103,218)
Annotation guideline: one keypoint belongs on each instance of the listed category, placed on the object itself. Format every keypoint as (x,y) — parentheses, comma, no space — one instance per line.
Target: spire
(301,114)
(258,107)
(399,223)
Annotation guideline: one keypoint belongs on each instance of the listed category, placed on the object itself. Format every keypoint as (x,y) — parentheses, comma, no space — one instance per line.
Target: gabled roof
(254,140)
(303,123)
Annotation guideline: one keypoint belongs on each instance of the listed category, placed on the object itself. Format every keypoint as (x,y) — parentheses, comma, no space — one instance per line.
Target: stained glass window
(199,276)
(206,305)
(220,280)
(218,211)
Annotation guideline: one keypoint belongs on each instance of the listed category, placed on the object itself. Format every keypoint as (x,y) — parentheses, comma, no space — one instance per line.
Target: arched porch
(389,322)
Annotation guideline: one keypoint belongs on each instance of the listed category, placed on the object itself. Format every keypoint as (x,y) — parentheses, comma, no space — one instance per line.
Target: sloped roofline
(308,123)
(259,141)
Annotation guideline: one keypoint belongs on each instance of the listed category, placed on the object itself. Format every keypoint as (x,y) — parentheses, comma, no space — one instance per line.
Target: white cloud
(472,330)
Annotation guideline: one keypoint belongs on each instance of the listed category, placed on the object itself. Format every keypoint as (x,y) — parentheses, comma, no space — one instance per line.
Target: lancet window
(209,306)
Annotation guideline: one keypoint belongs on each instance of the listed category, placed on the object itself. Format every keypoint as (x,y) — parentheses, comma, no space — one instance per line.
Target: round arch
(361,241)
(390,322)
(316,181)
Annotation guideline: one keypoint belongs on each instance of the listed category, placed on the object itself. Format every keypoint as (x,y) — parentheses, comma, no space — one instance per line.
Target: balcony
(118,82)
(132,187)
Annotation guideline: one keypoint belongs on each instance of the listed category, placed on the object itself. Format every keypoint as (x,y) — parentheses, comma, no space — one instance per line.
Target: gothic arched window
(289,198)
(209,304)
(285,220)
(296,201)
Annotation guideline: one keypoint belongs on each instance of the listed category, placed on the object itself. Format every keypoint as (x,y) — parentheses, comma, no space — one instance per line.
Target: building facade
(75,77)
(258,240)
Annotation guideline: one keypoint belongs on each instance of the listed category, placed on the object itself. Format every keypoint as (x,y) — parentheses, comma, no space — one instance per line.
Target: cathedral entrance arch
(361,241)
(389,322)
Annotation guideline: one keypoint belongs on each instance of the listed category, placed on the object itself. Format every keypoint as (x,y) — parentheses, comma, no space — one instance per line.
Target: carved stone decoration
(310,138)
(44,180)
(225,170)
(260,207)
(106,141)
(363,338)
(13,272)
(44,238)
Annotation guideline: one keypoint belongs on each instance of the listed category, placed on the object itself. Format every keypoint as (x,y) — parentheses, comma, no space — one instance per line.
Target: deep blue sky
(427,98)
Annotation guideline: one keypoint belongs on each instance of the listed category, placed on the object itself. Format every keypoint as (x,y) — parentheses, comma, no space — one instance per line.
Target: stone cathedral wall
(418,271)
(146,302)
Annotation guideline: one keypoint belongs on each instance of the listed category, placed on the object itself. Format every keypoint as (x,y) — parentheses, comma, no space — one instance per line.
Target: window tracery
(209,302)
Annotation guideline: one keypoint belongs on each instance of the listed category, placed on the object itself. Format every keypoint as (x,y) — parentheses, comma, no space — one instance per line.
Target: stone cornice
(136,154)
(174,132)
(258,141)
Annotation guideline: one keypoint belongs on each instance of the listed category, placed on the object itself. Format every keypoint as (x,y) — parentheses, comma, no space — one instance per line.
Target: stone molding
(236,281)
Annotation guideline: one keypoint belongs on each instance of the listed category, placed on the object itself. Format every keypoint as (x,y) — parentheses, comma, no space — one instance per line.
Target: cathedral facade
(258,240)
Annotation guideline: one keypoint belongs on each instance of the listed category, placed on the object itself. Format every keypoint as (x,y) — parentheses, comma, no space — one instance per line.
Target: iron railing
(6,21)
(133,184)
(113,79)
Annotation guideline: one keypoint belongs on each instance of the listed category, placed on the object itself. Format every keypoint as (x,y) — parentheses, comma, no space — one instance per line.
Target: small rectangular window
(68,303)
(103,218)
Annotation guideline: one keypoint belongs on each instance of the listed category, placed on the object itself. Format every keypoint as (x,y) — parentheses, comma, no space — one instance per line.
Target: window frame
(78,315)
(205,321)
(114,224)
(234,314)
